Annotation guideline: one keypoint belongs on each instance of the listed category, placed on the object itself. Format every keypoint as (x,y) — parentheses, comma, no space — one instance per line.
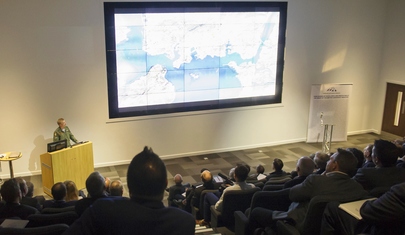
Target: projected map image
(165,58)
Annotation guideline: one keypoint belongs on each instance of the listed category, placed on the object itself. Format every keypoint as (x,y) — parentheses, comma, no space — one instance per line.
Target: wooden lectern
(72,163)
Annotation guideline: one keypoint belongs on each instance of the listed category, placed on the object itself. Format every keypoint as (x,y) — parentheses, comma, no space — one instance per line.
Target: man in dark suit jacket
(11,194)
(385,215)
(378,180)
(336,183)
(95,185)
(144,212)
(176,191)
(305,167)
(321,159)
(58,192)
(25,198)
(193,198)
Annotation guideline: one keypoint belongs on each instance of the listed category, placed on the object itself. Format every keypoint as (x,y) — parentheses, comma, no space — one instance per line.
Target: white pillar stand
(327,138)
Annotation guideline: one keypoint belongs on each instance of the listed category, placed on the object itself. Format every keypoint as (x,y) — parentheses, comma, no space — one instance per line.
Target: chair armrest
(241,223)
(216,217)
(284,228)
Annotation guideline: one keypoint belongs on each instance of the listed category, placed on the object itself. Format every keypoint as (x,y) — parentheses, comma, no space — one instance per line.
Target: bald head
(116,188)
(305,166)
(206,176)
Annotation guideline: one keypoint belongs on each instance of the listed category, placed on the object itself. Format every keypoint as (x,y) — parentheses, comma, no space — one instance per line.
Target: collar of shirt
(335,172)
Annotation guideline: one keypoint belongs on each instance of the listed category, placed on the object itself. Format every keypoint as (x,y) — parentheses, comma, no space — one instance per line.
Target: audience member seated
(176,192)
(116,188)
(368,160)
(58,192)
(30,193)
(144,212)
(193,197)
(278,169)
(253,177)
(359,155)
(95,185)
(320,159)
(72,194)
(385,215)
(305,167)
(379,179)
(26,199)
(241,173)
(336,183)
(11,194)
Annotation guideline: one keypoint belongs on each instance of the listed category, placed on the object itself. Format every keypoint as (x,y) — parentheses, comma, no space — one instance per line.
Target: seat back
(273,187)
(273,200)
(279,179)
(55,229)
(198,213)
(313,218)
(312,221)
(37,220)
(51,210)
(237,200)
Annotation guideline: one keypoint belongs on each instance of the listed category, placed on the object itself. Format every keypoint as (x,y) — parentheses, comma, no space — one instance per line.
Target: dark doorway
(394,110)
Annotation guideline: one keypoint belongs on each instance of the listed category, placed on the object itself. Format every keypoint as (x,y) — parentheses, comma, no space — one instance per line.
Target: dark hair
(10,190)
(58,191)
(23,185)
(278,164)
(241,172)
(146,176)
(260,169)
(358,154)
(247,167)
(30,192)
(347,161)
(321,159)
(95,184)
(386,152)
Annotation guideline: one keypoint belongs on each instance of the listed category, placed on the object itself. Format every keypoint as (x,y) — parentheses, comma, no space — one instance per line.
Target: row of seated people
(200,197)
(286,180)
(18,201)
(182,195)
(376,176)
(341,182)
(99,213)
(147,180)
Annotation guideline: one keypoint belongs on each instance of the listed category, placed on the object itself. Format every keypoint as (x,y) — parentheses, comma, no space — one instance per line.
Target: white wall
(52,64)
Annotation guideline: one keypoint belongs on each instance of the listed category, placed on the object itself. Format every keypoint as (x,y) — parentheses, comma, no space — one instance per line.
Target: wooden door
(394,110)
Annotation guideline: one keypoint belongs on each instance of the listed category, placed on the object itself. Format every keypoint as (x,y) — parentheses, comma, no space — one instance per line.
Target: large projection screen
(171,57)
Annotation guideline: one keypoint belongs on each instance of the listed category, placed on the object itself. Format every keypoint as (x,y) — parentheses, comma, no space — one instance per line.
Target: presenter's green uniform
(59,134)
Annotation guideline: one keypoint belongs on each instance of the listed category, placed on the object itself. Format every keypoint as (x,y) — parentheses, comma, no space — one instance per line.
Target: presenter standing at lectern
(63,132)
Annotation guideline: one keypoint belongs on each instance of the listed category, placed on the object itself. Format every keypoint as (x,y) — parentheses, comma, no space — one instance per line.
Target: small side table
(10,157)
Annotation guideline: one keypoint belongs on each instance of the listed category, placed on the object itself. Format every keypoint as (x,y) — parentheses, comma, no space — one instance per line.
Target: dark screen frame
(121,7)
